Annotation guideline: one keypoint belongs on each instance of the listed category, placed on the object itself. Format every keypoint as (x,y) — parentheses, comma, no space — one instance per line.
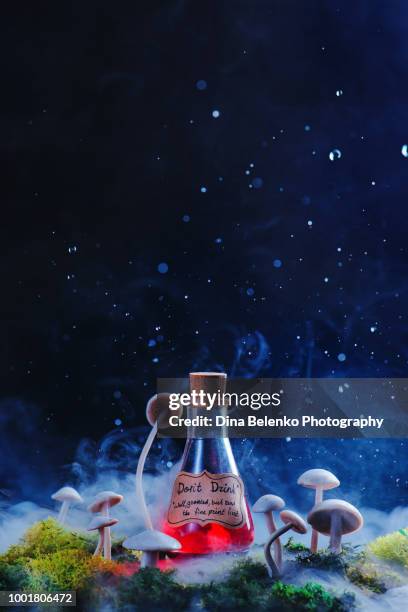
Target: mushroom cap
(151,541)
(318,479)
(320,516)
(67,494)
(268,503)
(98,522)
(289,517)
(158,410)
(105,497)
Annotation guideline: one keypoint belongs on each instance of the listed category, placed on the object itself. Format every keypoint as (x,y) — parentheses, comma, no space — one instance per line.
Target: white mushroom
(319,480)
(335,517)
(67,496)
(101,523)
(102,503)
(151,543)
(292,521)
(267,504)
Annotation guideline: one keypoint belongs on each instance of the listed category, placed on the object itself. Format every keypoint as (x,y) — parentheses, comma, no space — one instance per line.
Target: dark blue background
(106,143)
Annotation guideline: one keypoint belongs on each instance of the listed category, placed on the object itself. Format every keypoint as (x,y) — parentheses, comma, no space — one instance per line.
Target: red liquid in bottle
(209,482)
(212,538)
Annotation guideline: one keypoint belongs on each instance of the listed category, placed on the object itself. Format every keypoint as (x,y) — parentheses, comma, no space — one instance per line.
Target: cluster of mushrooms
(150,542)
(332,517)
(100,507)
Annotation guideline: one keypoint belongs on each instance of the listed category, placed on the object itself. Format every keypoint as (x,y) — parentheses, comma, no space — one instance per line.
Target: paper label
(208,498)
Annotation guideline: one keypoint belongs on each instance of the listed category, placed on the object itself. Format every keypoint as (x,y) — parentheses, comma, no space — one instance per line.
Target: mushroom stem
(335,534)
(62,515)
(270,523)
(315,534)
(139,475)
(107,543)
(149,559)
(106,533)
(273,568)
(99,546)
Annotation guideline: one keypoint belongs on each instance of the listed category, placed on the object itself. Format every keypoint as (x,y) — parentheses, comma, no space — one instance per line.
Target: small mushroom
(102,503)
(320,480)
(157,410)
(335,517)
(292,521)
(267,504)
(101,523)
(151,543)
(68,496)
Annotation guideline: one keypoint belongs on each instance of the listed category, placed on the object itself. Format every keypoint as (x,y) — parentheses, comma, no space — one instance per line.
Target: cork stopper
(208,382)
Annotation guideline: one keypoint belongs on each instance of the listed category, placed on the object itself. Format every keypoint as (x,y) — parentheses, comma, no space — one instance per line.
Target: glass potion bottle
(208,511)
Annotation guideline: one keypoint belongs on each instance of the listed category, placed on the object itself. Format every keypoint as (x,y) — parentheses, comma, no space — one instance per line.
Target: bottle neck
(209,429)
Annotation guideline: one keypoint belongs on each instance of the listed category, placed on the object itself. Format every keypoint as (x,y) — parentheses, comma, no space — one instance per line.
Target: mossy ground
(392,547)
(50,557)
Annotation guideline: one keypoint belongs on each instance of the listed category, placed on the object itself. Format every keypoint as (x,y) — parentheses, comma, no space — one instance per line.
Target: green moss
(245,587)
(248,587)
(295,547)
(392,547)
(370,576)
(323,559)
(66,569)
(50,557)
(311,596)
(46,537)
(148,589)
(13,576)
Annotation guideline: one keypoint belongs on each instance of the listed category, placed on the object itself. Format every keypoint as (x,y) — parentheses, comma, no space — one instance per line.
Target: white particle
(404,150)
(216,114)
(201,85)
(334,154)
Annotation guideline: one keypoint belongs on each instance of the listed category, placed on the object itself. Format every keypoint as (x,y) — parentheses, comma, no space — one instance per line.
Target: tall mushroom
(151,543)
(267,504)
(102,503)
(292,521)
(335,518)
(101,523)
(67,496)
(319,480)
(157,410)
